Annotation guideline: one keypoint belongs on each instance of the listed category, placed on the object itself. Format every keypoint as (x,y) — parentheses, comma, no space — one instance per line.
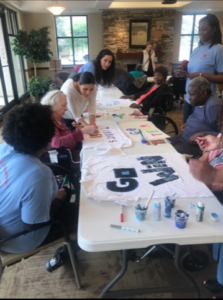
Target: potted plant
(38,86)
(35,47)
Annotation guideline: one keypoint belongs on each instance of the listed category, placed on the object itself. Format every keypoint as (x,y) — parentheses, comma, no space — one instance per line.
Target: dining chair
(7,259)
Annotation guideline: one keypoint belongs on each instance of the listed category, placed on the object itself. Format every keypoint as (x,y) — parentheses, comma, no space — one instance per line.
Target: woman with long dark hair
(103,68)
(207,59)
(80,91)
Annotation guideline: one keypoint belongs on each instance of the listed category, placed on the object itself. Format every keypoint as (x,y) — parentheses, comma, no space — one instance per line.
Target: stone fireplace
(116,35)
(131,67)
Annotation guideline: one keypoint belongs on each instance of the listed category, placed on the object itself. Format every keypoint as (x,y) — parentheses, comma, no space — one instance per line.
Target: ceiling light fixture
(169,2)
(55,9)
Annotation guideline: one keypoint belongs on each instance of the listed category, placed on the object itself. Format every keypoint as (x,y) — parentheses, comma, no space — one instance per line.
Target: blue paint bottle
(168,210)
(156,211)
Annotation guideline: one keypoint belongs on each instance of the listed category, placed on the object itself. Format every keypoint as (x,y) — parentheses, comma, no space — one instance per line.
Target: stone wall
(116,33)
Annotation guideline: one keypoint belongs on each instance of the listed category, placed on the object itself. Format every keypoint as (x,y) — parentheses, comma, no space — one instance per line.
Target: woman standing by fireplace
(147,60)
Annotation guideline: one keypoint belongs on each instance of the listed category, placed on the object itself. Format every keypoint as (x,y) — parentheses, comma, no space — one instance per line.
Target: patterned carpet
(29,278)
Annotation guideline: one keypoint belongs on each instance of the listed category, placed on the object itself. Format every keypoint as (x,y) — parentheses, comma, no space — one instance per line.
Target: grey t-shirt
(202,118)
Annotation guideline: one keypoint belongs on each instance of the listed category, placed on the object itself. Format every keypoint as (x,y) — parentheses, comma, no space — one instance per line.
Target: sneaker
(60,257)
(54,263)
(63,251)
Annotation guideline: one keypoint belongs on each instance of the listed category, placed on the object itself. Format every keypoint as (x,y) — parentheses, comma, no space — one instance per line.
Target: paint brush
(143,139)
(149,199)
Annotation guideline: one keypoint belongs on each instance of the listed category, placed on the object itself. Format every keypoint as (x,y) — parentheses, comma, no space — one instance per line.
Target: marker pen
(125,228)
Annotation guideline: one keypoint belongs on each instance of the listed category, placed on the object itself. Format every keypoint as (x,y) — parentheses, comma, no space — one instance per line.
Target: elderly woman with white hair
(63,137)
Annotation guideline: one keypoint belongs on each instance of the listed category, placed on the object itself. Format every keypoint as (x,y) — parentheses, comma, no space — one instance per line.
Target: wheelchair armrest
(68,151)
(151,111)
(65,150)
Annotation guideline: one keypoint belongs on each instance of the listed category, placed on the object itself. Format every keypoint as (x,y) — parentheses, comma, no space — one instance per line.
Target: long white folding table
(95,233)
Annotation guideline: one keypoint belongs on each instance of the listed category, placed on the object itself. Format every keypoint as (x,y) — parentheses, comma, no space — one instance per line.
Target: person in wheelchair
(178,82)
(200,122)
(154,96)
(63,137)
(30,198)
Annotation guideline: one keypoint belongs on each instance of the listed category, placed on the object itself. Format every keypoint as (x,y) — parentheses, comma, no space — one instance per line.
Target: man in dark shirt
(200,122)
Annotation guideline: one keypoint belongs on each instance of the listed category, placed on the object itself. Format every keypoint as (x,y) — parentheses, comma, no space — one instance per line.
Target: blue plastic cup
(139,212)
(181,218)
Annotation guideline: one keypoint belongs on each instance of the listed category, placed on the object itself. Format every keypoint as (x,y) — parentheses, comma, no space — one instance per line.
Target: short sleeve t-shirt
(205,60)
(88,67)
(137,74)
(27,189)
(76,102)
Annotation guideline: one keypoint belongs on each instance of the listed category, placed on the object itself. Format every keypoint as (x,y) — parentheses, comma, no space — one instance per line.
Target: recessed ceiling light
(209,9)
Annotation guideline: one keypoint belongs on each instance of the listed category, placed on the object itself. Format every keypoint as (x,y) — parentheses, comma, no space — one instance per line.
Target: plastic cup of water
(140,213)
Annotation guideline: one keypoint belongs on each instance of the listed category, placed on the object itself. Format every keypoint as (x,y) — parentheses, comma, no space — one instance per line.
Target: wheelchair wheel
(72,180)
(195,262)
(165,124)
(169,103)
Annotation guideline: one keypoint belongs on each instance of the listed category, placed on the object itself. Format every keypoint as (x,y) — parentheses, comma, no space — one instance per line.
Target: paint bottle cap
(214,217)
(200,204)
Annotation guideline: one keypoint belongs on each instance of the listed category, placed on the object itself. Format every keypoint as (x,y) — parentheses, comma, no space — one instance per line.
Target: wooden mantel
(128,55)
(135,54)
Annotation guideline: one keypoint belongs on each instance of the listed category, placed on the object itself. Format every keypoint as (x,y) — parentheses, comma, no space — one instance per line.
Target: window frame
(192,35)
(72,37)
(7,21)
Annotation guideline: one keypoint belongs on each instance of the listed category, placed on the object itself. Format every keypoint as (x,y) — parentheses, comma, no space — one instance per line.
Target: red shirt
(63,137)
(153,88)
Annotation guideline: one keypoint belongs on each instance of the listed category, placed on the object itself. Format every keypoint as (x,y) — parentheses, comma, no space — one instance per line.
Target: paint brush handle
(150,197)
(141,134)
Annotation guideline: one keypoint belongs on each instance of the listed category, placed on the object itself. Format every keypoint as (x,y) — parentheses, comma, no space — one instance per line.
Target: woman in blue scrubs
(207,59)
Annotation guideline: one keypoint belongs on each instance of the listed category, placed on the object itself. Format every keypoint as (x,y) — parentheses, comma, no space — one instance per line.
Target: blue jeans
(218,256)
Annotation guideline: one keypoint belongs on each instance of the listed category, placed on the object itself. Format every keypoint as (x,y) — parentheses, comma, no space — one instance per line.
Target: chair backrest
(77,67)
(61,77)
(178,86)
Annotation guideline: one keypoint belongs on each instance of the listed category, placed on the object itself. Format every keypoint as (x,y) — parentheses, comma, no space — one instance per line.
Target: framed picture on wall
(139,33)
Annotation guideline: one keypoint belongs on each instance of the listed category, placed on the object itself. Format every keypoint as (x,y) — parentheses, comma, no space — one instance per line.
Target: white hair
(201,83)
(51,98)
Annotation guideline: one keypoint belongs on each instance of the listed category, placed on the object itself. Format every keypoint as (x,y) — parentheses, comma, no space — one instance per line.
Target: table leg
(183,272)
(119,275)
(166,289)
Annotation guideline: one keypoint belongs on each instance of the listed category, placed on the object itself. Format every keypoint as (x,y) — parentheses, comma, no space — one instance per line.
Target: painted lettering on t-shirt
(109,135)
(5,172)
(126,183)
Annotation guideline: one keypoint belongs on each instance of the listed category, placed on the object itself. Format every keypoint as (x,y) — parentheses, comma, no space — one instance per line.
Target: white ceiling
(90,6)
